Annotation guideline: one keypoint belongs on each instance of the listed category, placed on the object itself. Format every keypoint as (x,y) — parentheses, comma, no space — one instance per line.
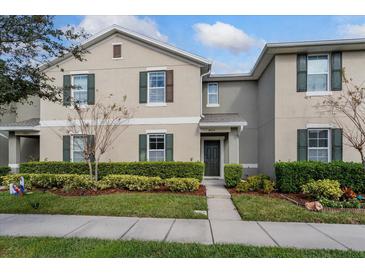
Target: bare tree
(347,108)
(98,126)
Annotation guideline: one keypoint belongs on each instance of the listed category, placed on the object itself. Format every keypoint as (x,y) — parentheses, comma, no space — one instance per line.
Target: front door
(212,157)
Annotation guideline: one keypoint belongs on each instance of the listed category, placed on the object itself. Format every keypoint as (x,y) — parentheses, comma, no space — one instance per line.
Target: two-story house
(185,113)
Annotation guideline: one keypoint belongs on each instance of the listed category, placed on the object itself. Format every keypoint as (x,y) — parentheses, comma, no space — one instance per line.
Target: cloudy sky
(233,43)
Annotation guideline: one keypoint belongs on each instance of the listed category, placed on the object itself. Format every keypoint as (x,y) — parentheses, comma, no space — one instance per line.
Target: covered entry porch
(219,135)
(22,139)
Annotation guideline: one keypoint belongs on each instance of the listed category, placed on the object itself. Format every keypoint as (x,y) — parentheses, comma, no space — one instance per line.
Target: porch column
(233,146)
(14,151)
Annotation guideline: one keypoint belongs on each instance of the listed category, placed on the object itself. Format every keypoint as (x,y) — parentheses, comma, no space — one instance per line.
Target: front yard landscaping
(253,207)
(162,205)
(31,247)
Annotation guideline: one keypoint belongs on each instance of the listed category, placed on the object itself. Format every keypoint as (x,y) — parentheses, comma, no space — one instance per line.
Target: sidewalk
(299,235)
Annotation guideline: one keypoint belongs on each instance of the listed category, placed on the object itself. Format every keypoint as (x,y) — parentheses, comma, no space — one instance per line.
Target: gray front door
(212,157)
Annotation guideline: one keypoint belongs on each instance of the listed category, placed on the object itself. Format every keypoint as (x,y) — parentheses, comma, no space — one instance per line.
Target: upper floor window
(318,145)
(213,95)
(79,90)
(156,86)
(117,51)
(156,147)
(318,73)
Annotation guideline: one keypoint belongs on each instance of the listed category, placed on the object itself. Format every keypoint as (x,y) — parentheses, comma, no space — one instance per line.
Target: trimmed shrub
(290,176)
(232,174)
(243,186)
(65,181)
(323,189)
(3,171)
(268,186)
(182,184)
(130,182)
(256,181)
(150,169)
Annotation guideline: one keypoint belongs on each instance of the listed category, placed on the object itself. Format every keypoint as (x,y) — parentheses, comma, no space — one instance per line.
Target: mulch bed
(91,192)
(298,199)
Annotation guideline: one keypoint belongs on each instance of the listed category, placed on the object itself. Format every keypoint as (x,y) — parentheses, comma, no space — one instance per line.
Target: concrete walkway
(220,205)
(299,235)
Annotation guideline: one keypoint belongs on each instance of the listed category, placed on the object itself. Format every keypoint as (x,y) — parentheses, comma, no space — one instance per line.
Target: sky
(233,43)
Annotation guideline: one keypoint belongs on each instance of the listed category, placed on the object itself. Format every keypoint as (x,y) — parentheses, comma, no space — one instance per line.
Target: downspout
(201,91)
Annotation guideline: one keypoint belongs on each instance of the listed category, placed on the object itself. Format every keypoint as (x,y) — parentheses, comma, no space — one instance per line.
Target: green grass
(265,208)
(85,248)
(161,205)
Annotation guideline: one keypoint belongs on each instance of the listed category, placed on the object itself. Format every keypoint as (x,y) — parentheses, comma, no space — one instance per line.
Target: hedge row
(75,181)
(151,169)
(290,176)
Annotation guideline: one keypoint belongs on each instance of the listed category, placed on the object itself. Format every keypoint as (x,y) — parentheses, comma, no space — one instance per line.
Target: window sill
(119,58)
(156,105)
(212,105)
(318,93)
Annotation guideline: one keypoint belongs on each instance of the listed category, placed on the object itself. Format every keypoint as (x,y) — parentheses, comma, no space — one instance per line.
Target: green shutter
(169,150)
(66,148)
(143,147)
(66,90)
(336,144)
(301,72)
(142,87)
(302,146)
(91,89)
(336,71)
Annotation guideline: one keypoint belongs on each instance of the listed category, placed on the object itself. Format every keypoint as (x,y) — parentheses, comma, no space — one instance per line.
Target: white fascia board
(224,124)
(129,122)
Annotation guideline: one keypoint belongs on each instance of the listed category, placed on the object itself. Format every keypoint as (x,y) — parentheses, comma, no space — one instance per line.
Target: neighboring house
(184,113)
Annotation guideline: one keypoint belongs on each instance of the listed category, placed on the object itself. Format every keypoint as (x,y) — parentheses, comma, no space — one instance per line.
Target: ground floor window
(156,147)
(77,153)
(319,145)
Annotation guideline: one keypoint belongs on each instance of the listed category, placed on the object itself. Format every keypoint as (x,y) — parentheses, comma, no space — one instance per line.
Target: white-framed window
(319,145)
(117,51)
(79,89)
(213,95)
(156,87)
(156,147)
(77,148)
(318,73)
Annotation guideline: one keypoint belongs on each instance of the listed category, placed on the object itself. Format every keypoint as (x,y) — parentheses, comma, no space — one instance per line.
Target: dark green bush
(232,174)
(290,176)
(150,169)
(3,171)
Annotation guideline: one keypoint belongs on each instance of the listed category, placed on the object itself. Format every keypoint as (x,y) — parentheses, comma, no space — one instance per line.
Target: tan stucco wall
(121,77)
(126,146)
(293,111)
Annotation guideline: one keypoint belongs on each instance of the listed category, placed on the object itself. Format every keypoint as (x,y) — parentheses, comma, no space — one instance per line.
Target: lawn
(163,205)
(86,248)
(265,208)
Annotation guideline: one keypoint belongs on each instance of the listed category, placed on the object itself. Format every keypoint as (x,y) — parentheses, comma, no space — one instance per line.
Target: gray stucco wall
(239,97)
(266,121)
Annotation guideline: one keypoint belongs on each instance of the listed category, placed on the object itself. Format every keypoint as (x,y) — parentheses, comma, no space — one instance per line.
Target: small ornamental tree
(98,125)
(347,109)
(28,43)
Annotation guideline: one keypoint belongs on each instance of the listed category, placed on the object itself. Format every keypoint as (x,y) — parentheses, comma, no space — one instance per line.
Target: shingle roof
(222,119)
(21,125)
